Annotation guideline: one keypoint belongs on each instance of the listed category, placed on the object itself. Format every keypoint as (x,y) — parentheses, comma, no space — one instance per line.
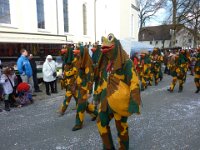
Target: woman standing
(49,74)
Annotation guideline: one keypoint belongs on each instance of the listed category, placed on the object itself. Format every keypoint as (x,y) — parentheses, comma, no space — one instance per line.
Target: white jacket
(47,69)
(8,89)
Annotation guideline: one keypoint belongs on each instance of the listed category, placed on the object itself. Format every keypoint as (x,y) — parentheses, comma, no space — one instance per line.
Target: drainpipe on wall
(57,17)
(95,32)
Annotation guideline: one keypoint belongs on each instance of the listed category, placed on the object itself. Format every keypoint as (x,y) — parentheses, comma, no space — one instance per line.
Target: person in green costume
(145,68)
(197,71)
(116,67)
(178,71)
(156,62)
(84,85)
(70,73)
(96,54)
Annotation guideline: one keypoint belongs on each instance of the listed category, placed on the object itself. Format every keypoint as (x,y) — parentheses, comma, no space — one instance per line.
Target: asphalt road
(169,121)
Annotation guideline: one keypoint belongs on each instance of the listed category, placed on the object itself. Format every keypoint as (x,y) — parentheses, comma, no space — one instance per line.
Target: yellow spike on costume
(117,116)
(91,107)
(121,77)
(85,96)
(100,88)
(102,130)
(79,80)
(68,93)
(84,88)
(197,76)
(81,116)
(87,70)
(68,81)
(124,125)
(104,85)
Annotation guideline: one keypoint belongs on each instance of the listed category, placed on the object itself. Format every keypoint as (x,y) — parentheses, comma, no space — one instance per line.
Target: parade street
(169,121)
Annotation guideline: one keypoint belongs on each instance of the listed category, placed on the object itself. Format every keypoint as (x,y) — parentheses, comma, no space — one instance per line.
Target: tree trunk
(174,3)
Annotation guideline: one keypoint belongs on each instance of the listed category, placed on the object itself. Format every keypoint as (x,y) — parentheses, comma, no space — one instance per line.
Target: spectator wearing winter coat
(34,69)
(24,68)
(49,67)
(7,80)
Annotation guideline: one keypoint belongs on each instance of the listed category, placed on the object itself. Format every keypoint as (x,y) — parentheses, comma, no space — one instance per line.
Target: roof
(161,32)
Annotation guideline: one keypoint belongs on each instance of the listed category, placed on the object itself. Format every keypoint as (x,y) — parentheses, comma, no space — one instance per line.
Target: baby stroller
(24,92)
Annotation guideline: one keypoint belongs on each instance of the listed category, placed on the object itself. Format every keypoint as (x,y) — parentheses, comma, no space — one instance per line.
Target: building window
(143,36)
(156,42)
(176,41)
(150,42)
(5,11)
(40,14)
(65,14)
(84,19)
(189,40)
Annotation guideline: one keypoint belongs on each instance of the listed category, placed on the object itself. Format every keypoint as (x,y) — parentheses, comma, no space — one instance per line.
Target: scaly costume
(197,72)
(96,54)
(156,61)
(120,93)
(70,73)
(145,66)
(84,84)
(178,72)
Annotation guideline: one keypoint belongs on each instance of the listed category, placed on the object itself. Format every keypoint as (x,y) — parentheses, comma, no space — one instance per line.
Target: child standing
(7,81)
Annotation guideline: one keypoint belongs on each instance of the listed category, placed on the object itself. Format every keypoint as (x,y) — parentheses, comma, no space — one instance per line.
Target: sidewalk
(42,95)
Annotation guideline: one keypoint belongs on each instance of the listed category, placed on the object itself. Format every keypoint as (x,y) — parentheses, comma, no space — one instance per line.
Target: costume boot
(180,89)
(198,89)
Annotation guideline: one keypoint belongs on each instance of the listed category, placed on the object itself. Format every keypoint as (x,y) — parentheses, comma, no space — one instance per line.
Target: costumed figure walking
(120,92)
(70,73)
(84,85)
(197,71)
(178,71)
(96,53)
(145,66)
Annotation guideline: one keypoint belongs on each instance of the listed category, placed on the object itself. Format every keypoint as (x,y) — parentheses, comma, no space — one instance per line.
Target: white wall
(109,19)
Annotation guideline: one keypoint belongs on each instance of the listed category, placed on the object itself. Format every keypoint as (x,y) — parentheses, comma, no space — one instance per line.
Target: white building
(41,24)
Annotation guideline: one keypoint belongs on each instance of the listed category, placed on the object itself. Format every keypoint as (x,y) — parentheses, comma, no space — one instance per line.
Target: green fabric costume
(197,72)
(95,59)
(114,63)
(178,72)
(84,85)
(70,73)
(145,70)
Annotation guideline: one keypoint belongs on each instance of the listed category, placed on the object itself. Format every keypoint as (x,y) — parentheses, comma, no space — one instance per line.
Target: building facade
(44,25)
(162,36)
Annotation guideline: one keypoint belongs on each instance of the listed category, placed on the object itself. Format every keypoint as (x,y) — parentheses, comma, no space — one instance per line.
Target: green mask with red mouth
(109,46)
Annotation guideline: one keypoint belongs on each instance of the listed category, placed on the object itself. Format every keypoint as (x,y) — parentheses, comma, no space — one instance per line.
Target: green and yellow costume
(117,76)
(96,53)
(145,66)
(84,85)
(178,71)
(70,73)
(197,72)
(156,62)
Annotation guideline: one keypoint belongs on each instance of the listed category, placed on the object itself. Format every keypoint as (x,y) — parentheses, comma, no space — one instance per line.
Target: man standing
(24,68)
(34,69)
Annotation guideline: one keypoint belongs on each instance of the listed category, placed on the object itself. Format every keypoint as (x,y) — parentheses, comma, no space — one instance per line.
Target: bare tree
(180,10)
(148,8)
(191,19)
